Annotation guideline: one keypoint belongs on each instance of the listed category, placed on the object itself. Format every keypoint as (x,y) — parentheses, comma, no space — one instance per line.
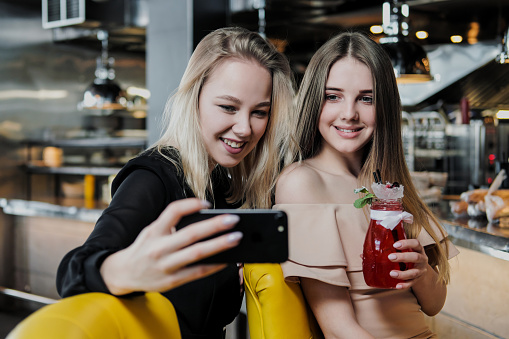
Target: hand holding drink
(385,228)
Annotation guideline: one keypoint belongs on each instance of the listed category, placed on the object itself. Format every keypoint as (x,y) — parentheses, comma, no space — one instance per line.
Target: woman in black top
(227,133)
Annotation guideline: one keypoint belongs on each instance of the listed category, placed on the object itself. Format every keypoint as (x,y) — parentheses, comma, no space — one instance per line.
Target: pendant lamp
(503,57)
(104,93)
(409,60)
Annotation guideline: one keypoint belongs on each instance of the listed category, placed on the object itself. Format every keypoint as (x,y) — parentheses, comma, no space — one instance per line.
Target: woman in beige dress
(349,126)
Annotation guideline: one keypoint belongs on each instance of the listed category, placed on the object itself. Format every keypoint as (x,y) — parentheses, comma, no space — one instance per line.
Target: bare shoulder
(299,184)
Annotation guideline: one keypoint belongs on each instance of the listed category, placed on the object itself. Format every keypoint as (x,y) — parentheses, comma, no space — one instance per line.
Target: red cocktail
(385,228)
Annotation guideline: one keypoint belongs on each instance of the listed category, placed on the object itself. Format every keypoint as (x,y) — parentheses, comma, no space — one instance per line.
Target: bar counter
(473,233)
(68,208)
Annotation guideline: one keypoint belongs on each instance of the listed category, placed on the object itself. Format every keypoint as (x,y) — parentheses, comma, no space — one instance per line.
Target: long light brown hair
(253,179)
(385,150)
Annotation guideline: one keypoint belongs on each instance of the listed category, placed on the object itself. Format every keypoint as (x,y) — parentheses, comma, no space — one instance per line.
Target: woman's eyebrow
(238,102)
(230,98)
(263,104)
(334,89)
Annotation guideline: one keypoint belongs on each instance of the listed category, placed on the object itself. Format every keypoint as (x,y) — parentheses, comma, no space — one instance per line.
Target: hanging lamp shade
(107,95)
(503,57)
(409,60)
(104,93)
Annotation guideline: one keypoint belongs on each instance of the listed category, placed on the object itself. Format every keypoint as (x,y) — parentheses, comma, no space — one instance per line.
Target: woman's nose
(349,112)
(242,125)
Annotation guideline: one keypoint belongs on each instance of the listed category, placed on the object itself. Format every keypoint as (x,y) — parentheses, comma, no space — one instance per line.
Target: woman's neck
(212,165)
(332,161)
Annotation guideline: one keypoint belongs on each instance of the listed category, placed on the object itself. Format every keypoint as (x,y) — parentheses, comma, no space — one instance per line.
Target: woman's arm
(158,258)
(422,278)
(333,310)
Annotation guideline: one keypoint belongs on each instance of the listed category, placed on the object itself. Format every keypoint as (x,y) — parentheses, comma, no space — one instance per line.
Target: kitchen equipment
(483,143)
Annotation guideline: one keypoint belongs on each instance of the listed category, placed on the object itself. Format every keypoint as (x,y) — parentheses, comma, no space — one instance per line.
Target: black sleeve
(140,194)
(138,201)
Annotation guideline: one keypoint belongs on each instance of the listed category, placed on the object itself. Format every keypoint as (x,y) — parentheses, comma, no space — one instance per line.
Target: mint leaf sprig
(367,199)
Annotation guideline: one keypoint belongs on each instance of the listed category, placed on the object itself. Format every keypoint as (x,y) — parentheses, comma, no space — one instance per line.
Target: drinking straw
(376,177)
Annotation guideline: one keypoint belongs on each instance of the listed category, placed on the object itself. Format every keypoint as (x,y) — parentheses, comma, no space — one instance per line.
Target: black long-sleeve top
(140,192)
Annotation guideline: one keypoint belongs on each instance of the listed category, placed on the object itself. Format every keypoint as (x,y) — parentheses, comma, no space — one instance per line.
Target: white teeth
(347,130)
(232,143)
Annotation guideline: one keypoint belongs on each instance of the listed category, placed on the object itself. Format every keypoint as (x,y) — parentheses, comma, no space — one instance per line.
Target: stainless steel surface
(484,143)
(30,208)
(26,296)
(474,233)
(466,151)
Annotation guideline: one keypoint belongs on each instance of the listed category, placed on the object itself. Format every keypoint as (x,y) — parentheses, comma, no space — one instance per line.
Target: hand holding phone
(265,236)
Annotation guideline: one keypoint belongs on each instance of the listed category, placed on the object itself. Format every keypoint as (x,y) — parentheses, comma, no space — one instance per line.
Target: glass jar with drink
(385,228)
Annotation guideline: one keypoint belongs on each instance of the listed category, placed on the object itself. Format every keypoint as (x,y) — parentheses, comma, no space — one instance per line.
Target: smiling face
(234,106)
(347,120)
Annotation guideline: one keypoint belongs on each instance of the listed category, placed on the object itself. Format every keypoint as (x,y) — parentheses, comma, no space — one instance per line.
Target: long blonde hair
(385,150)
(253,179)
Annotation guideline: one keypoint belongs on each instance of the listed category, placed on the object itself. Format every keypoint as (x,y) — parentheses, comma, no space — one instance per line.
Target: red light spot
(490,180)
(491,157)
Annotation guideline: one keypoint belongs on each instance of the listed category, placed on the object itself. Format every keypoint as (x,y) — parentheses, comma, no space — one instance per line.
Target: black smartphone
(265,235)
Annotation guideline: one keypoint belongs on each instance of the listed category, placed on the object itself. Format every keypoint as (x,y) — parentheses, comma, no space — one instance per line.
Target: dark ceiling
(303,25)
(306,24)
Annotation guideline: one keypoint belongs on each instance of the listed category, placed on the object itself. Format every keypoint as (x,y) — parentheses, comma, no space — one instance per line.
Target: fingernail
(392,256)
(206,204)
(231,219)
(399,286)
(397,244)
(393,274)
(235,236)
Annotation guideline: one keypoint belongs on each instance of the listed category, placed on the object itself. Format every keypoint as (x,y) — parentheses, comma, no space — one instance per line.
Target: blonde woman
(223,144)
(350,125)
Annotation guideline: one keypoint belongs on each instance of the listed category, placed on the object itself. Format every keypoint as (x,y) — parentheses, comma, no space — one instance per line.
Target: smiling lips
(348,132)
(233,146)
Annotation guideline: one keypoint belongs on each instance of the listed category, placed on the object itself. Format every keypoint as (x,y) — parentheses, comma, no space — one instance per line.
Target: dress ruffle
(326,241)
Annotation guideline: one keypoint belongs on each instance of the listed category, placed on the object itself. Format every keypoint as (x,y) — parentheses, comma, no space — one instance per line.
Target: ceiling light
(104,93)
(137,91)
(421,34)
(502,114)
(409,60)
(376,29)
(456,39)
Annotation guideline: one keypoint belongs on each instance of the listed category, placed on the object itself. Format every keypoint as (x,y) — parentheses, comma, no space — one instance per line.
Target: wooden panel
(40,245)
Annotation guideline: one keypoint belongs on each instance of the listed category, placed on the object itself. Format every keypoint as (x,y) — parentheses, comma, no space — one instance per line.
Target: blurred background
(83,84)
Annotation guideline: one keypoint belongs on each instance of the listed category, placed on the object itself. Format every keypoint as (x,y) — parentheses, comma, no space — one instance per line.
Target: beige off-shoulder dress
(326,242)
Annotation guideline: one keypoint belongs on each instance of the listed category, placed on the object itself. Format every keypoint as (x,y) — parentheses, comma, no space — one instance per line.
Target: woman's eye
(227,108)
(367,99)
(331,97)
(261,114)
